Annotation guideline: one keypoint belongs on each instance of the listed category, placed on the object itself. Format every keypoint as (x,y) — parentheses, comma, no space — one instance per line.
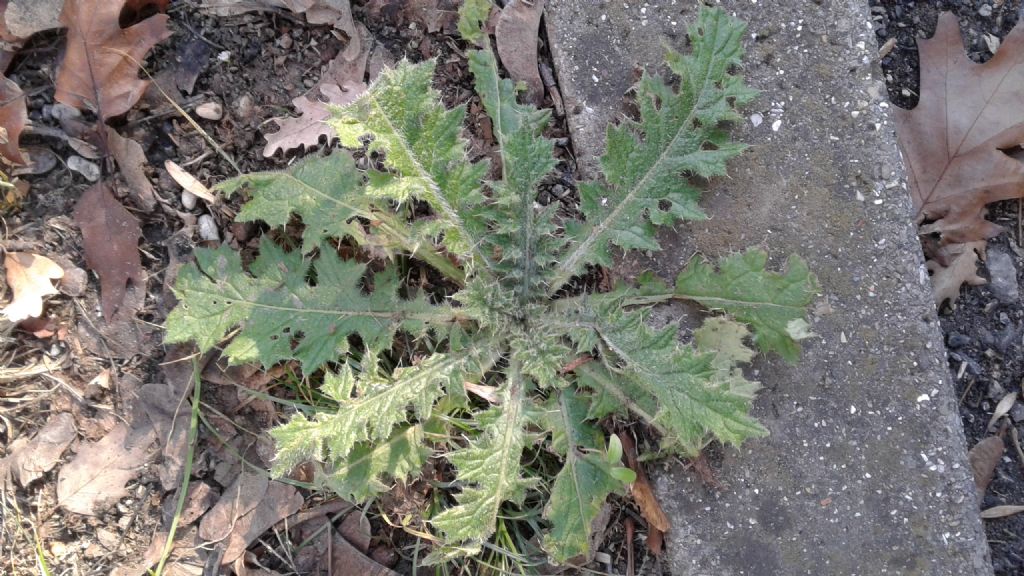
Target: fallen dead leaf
(30,277)
(188,182)
(954,142)
(100,67)
(97,475)
(516,37)
(1002,409)
(984,458)
(347,559)
(341,84)
(131,159)
(28,460)
(960,268)
(13,117)
(433,15)
(110,235)
(643,493)
(1001,511)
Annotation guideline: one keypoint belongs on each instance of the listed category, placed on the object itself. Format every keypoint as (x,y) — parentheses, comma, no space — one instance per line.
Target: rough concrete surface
(865,471)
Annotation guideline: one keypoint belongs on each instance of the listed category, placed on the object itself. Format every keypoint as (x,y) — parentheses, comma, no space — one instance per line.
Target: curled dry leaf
(961,267)
(131,159)
(984,458)
(188,182)
(30,277)
(1001,511)
(954,141)
(516,37)
(342,84)
(110,235)
(1002,409)
(13,117)
(100,67)
(643,493)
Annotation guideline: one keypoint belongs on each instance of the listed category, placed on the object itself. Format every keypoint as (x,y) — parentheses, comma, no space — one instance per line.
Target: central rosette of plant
(545,360)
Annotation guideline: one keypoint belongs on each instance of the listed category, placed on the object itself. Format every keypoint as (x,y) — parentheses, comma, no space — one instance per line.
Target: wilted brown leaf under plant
(516,38)
(953,143)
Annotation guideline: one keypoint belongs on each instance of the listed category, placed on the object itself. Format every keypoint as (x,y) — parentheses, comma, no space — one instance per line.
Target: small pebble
(244,107)
(1003,276)
(756,119)
(957,340)
(985,11)
(188,199)
(74,281)
(208,228)
(89,170)
(210,111)
(1017,412)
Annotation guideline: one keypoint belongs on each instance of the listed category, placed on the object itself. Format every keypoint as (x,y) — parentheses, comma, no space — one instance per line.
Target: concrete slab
(865,471)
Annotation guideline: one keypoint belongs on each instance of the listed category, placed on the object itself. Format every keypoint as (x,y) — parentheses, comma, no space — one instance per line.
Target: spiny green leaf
(282,316)
(489,469)
(473,15)
(677,134)
(767,301)
(693,402)
(524,233)
(424,150)
(584,483)
(369,407)
(361,475)
(325,192)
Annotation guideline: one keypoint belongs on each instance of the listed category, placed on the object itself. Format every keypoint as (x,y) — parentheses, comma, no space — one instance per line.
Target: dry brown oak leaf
(30,278)
(96,477)
(110,235)
(100,67)
(953,141)
(13,117)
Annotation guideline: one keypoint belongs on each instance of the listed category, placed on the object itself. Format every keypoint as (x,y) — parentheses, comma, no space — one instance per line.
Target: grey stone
(1017,412)
(1003,276)
(865,471)
(957,340)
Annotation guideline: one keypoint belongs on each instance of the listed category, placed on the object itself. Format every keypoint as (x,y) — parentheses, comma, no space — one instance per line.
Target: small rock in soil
(208,228)
(957,340)
(74,282)
(210,111)
(188,200)
(996,391)
(1004,276)
(89,170)
(1017,412)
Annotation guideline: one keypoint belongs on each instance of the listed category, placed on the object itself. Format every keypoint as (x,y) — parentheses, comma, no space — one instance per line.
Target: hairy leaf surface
(277,305)
(584,483)
(676,134)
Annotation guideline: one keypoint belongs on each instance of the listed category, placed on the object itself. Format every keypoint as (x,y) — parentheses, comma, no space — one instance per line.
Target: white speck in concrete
(776,125)
(756,119)
(853,409)
(923,398)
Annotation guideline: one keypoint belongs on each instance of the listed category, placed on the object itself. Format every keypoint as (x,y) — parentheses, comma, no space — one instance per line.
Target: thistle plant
(555,358)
